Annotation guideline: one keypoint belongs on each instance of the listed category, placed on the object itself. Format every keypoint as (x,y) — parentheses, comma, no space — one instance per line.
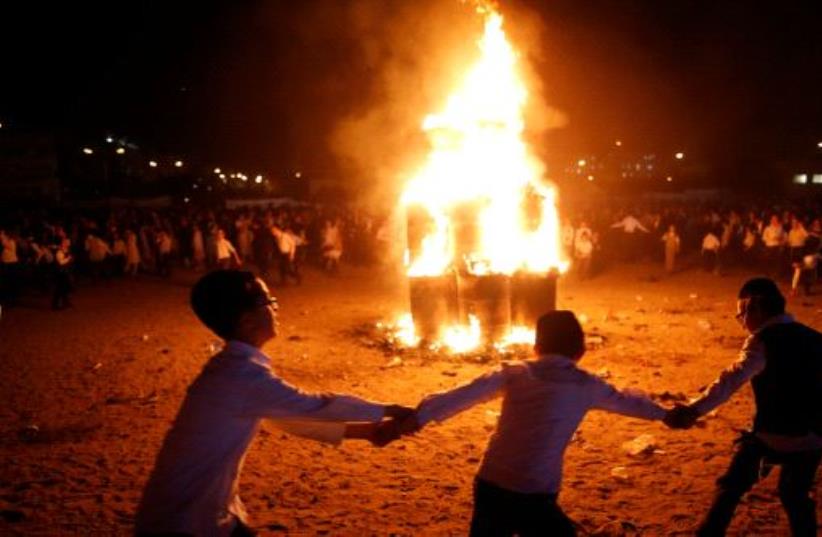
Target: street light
(581,163)
(120,150)
(258,179)
(109,139)
(152,163)
(178,163)
(679,155)
(618,143)
(88,151)
(669,179)
(590,177)
(218,171)
(818,144)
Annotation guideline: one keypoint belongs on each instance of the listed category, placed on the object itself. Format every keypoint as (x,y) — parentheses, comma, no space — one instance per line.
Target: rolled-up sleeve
(635,404)
(751,361)
(441,406)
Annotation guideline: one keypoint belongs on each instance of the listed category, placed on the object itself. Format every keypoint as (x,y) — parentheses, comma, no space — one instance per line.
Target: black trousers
(753,460)
(499,512)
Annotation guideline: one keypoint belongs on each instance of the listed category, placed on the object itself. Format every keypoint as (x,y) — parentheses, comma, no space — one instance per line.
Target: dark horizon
(266,84)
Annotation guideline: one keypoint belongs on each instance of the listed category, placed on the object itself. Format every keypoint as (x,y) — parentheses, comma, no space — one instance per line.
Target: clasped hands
(681,417)
(401,421)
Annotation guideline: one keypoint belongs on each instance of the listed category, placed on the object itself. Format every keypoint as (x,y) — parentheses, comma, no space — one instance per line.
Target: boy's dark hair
(765,294)
(559,332)
(220,297)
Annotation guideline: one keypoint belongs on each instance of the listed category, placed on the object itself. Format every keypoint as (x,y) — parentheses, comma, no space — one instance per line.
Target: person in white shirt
(193,488)
(672,243)
(783,360)
(629,244)
(583,250)
(773,238)
(710,252)
(226,253)
(164,246)
(62,276)
(132,253)
(332,246)
(544,401)
(287,242)
(97,250)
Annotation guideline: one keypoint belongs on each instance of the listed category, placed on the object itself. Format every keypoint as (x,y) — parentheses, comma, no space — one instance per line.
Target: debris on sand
(395,361)
(595,341)
(644,444)
(620,473)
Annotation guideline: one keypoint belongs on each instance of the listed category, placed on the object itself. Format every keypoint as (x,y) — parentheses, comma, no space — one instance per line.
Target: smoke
(415,53)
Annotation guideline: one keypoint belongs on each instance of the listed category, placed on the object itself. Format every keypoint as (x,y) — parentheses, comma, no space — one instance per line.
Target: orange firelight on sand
(480,175)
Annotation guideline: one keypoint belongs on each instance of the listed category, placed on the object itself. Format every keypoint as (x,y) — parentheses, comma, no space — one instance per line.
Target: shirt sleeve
(751,362)
(271,397)
(328,432)
(628,403)
(441,406)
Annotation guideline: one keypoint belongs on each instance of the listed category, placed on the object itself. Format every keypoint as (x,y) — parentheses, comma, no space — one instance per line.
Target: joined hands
(681,417)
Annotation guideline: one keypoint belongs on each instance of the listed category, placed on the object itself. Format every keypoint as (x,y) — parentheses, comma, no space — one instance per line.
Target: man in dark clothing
(783,360)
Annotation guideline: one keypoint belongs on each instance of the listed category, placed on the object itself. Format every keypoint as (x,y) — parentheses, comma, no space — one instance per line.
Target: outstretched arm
(441,406)
(627,403)
(751,361)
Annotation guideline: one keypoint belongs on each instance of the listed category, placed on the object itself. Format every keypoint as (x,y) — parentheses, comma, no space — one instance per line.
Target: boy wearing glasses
(783,360)
(193,489)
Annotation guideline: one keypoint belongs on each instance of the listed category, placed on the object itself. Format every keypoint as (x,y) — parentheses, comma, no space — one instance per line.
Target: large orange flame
(478,158)
(480,175)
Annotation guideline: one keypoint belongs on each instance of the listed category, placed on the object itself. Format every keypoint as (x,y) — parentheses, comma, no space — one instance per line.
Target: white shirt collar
(244,350)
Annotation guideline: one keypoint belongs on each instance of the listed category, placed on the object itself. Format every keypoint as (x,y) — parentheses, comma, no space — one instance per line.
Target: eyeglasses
(266,300)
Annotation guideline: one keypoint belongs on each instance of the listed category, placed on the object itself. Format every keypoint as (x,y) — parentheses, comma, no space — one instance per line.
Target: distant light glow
(120,150)
(618,143)
(218,171)
(581,163)
(817,178)
(109,139)
(222,176)
(590,177)
(818,144)
(88,151)
(178,163)
(298,175)
(679,155)
(669,179)
(258,179)
(152,163)
(800,178)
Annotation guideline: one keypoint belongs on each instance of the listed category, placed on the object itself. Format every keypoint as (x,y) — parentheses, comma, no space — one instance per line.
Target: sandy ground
(102,381)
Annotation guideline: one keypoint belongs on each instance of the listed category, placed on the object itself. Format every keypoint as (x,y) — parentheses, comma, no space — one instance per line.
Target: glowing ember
(479,161)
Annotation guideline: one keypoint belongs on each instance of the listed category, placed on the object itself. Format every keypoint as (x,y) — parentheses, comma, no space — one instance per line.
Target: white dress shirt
(194,485)
(773,236)
(630,224)
(750,363)
(544,402)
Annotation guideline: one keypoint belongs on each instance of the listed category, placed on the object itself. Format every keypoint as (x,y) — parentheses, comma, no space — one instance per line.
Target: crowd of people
(781,241)
(53,250)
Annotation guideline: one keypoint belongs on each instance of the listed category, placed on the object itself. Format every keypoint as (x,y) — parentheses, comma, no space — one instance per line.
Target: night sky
(317,85)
